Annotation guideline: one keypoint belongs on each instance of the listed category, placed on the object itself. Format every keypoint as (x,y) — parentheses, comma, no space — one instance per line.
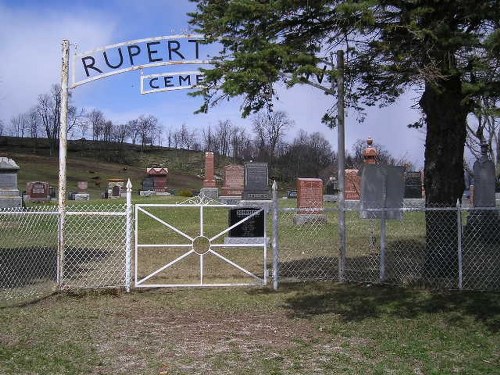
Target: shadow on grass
(359,302)
(21,267)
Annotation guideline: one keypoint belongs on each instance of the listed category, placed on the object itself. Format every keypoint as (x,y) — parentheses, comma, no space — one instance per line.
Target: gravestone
(159,178)
(116,188)
(483,222)
(256,182)
(209,180)
(9,193)
(38,191)
(291,194)
(484,181)
(331,190)
(234,180)
(382,187)
(352,184)
(82,194)
(413,185)
(309,201)
(209,188)
(249,231)
(148,184)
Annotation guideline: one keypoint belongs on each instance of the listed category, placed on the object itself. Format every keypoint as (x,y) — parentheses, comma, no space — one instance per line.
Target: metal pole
(383,231)
(276,252)
(459,242)
(341,163)
(128,237)
(63,144)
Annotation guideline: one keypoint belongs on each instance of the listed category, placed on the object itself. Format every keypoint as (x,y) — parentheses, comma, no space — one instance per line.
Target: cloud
(31,51)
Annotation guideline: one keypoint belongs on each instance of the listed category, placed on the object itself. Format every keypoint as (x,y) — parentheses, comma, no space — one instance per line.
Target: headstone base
(245,240)
(230,199)
(301,219)
(257,195)
(163,193)
(82,197)
(330,198)
(147,193)
(212,193)
(265,204)
(11,202)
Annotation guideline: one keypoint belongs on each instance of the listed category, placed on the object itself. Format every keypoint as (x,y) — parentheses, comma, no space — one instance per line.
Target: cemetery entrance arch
(199,243)
(140,54)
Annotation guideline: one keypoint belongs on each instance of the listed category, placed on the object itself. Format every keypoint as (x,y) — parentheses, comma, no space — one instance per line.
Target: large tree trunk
(446,114)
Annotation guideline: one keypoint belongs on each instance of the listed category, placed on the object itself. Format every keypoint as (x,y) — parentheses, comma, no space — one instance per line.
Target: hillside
(96,162)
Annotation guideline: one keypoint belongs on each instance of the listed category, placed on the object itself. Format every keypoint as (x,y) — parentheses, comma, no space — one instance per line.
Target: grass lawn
(313,328)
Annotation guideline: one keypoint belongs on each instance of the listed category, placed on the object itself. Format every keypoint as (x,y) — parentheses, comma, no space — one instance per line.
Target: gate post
(63,134)
(276,251)
(128,236)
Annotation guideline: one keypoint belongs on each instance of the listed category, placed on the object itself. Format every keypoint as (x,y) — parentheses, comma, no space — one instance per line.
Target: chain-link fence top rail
(444,247)
(94,254)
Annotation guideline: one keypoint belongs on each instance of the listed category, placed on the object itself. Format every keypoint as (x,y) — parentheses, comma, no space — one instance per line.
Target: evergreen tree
(447,49)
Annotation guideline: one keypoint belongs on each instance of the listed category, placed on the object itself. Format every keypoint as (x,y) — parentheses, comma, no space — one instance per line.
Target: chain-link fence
(32,263)
(449,247)
(453,247)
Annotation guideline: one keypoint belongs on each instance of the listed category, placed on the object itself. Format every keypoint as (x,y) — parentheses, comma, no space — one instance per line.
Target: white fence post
(128,237)
(276,251)
(63,130)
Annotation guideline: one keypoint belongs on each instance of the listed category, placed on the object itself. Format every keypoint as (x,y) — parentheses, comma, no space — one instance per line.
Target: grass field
(314,328)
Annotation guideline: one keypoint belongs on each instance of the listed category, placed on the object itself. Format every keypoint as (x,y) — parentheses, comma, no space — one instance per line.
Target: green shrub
(185,193)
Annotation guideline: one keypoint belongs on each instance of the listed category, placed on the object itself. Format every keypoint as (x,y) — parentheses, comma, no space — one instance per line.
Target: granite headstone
(256,182)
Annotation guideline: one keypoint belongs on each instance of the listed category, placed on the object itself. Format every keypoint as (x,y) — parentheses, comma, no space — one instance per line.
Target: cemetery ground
(303,328)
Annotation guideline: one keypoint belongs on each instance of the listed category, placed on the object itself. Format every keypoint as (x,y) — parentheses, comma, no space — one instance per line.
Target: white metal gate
(189,244)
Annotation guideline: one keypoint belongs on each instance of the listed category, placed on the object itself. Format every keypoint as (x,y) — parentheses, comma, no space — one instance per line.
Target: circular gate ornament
(201,245)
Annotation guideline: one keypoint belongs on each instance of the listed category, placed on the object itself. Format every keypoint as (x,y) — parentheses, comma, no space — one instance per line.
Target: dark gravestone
(148,183)
(115,191)
(291,194)
(413,185)
(253,227)
(331,186)
(256,182)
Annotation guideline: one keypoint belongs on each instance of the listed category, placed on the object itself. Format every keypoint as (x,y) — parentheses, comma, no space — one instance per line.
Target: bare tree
(96,122)
(485,128)
(147,127)
(48,110)
(120,133)
(184,138)
(33,122)
(306,156)
(133,130)
(240,141)
(270,128)
(19,125)
(208,139)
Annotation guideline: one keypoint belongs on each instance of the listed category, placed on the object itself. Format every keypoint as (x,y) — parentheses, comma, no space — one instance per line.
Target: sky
(32,31)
